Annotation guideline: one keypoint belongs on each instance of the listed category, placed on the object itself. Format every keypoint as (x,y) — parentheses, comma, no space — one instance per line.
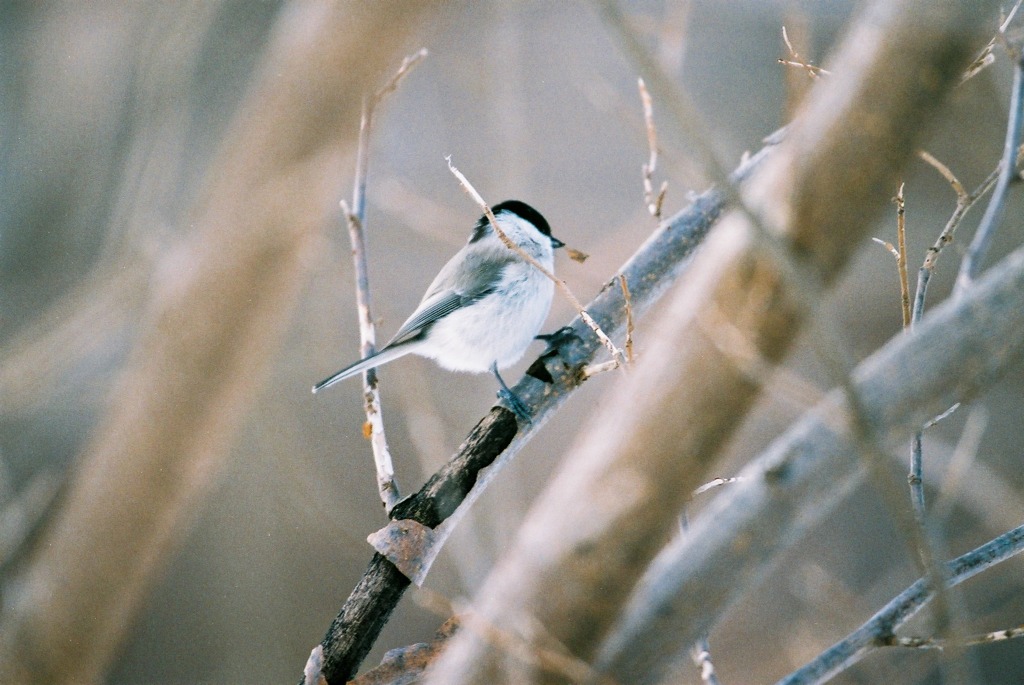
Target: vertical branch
(355,217)
(628,305)
(653,200)
(914,478)
(964,202)
(205,344)
(901,258)
(1007,172)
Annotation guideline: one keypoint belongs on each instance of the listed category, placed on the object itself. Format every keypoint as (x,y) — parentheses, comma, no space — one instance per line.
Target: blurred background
(110,116)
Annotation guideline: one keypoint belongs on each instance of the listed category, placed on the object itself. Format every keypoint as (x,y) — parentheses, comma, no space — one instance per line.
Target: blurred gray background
(533,101)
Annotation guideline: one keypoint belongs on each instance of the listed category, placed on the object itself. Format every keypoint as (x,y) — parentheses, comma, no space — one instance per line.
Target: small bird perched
(485,306)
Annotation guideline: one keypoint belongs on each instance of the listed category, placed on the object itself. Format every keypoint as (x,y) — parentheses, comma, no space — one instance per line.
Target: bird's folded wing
(439,303)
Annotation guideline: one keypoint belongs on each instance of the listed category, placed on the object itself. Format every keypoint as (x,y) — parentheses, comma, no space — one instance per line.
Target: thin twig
(879,631)
(964,456)
(1005,23)
(958,187)
(971,640)
(716,483)
(651,200)
(987,55)
(900,253)
(914,479)
(888,246)
(616,353)
(355,217)
(795,60)
(964,202)
(901,258)
(942,416)
(591,370)
(555,660)
(990,221)
(408,64)
(701,655)
(628,305)
(373,429)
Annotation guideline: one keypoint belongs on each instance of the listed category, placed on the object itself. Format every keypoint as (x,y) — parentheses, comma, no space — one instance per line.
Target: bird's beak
(555,242)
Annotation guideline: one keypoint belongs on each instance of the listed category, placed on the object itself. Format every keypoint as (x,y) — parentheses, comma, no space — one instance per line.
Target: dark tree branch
(548,382)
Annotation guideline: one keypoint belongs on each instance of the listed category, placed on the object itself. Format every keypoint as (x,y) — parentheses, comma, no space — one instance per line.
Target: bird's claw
(517,406)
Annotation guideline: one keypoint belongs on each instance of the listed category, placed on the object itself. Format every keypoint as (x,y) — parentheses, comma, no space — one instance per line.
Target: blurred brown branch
(603,517)
(220,305)
(804,473)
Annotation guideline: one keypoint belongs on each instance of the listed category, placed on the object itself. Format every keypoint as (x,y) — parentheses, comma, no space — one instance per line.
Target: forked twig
(355,218)
(879,631)
(987,55)
(796,61)
(990,221)
(964,202)
(652,200)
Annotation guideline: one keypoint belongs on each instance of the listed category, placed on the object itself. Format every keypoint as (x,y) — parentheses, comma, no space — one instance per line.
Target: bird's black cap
(525,211)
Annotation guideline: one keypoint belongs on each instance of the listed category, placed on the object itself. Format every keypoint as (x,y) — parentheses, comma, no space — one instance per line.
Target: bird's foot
(513,401)
(517,406)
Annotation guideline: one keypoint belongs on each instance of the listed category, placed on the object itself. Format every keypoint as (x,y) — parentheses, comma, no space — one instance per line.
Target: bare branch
(355,218)
(664,426)
(880,630)
(992,218)
(958,187)
(808,470)
(651,199)
(970,640)
(628,305)
(796,61)
(204,347)
(901,259)
(888,246)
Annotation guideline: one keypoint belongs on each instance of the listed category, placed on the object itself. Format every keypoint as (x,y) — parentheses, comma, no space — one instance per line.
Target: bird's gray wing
(476,280)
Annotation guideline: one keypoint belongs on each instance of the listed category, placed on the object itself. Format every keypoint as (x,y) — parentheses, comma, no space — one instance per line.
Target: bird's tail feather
(374,360)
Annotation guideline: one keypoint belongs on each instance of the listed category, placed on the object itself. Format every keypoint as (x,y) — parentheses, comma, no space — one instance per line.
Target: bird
(485,306)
